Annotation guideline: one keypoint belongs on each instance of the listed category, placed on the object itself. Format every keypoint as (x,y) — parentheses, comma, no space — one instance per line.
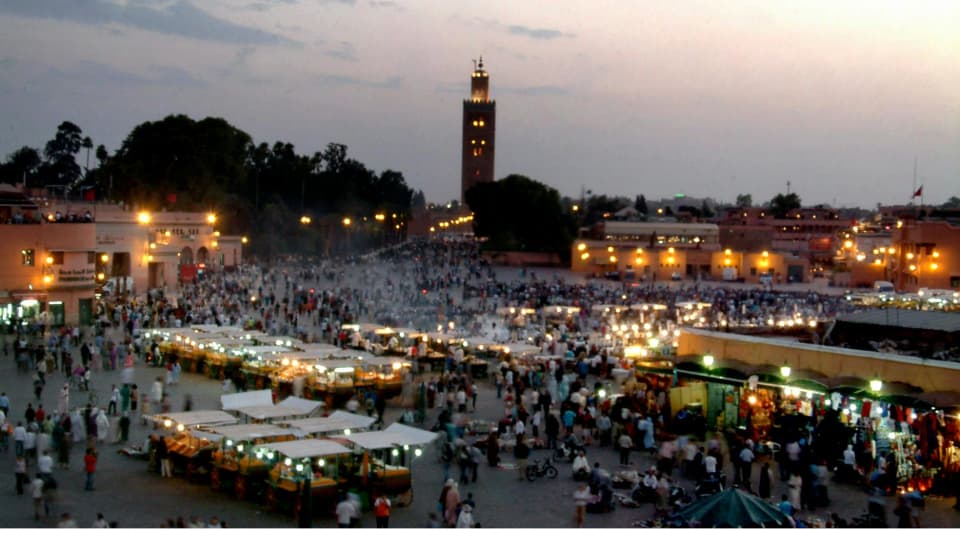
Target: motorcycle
(568,450)
(539,469)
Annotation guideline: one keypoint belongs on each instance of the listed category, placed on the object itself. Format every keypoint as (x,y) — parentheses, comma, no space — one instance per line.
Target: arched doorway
(202,255)
(186,255)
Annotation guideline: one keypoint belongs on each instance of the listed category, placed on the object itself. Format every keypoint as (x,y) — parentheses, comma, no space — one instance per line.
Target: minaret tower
(479,128)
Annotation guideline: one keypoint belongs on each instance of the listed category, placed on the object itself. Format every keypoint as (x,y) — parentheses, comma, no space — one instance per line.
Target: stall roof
(264,412)
(305,406)
(307,448)
(373,440)
(200,418)
(257,398)
(249,432)
(938,321)
(338,421)
(411,435)
(385,360)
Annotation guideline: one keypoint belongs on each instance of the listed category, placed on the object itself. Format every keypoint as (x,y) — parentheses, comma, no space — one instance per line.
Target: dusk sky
(709,98)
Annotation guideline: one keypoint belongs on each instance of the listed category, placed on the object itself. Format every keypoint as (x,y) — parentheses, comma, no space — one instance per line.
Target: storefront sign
(76,276)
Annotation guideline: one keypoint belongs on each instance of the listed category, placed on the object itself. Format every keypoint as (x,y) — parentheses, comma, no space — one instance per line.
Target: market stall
(380,468)
(234,464)
(305,475)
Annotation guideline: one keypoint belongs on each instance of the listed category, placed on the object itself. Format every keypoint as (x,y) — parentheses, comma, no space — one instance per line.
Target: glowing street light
(785,370)
(347,221)
(305,220)
(708,360)
(380,217)
(143,218)
(211,218)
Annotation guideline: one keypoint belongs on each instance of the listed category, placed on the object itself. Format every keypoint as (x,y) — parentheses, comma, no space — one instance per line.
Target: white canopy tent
(337,422)
(257,398)
(412,436)
(249,432)
(306,448)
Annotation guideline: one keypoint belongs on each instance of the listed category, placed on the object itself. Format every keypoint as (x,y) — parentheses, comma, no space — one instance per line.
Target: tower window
(483,142)
(481,122)
(477,152)
(476,123)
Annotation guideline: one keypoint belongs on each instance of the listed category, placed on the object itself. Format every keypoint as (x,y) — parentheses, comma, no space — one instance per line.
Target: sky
(621,97)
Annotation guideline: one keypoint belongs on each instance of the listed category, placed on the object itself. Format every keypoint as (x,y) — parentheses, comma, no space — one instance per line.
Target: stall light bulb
(395,452)
(406,447)
(826,402)
(288,462)
(229,442)
(346,431)
(299,467)
(167,423)
(269,455)
(180,427)
(417,452)
(239,448)
(321,462)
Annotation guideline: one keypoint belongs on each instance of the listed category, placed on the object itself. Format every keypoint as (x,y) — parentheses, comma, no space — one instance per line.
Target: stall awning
(269,411)
(307,448)
(373,440)
(305,406)
(249,432)
(410,435)
(258,398)
(199,418)
(336,422)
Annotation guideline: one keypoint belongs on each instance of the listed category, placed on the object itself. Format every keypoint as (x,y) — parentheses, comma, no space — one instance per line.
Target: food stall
(380,467)
(383,373)
(234,464)
(305,475)
(189,448)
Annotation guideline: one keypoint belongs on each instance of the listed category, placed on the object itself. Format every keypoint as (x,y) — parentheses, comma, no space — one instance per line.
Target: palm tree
(88,144)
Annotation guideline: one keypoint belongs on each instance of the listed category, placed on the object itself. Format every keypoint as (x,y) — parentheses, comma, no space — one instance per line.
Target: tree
(60,152)
(520,214)
(782,204)
(952,202)
(641,204)
(101,155)
(20,166)
(88,144)
(744,200)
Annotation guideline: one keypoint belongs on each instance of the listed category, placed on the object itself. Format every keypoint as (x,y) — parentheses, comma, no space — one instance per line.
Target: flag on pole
(918,192)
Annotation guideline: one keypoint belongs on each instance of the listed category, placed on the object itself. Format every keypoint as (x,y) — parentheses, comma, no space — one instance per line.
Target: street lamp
(876,384)
(211,218)
(708,360)
(143,218)
(347,221)
(305,220)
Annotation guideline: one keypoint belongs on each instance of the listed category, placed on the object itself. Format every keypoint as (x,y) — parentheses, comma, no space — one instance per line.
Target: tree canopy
(781,204)
(521,214)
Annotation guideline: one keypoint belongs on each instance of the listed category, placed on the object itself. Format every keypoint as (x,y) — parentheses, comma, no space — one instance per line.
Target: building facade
(47,266)
(659,251)
(479,133)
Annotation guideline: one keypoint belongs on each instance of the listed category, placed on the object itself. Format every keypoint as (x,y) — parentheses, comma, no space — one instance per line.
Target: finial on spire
(481,61)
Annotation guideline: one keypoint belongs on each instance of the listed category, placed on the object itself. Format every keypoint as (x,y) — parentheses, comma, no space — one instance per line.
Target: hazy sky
(710,98)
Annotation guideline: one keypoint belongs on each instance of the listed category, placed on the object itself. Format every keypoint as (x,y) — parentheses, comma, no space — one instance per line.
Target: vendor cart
(304,476)
(235,466)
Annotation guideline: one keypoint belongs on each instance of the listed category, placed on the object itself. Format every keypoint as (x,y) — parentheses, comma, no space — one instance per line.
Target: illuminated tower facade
(479,129)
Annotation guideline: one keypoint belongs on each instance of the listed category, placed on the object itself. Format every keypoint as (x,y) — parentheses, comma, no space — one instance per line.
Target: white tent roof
(338,421)
(372,440)
(405,434)
(305,406)
(201,418)
(307,448)
(263,412)
(257,398)
(249,432)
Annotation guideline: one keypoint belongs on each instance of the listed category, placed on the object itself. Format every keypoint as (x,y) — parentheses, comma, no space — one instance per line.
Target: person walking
(344,512)
(90,467)
(581,497)
(114,400)
(36,490)
(381,508)
(746,458)
(20,471)
(626,445)
(521,451)
(764,488)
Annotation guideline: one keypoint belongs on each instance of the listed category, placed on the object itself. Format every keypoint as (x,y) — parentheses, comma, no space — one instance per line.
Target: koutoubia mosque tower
(479,129)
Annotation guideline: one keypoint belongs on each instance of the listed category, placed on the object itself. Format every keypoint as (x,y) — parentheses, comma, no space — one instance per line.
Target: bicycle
(539,469)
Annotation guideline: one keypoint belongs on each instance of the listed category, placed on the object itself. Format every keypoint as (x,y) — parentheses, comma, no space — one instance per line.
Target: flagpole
(914,192)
